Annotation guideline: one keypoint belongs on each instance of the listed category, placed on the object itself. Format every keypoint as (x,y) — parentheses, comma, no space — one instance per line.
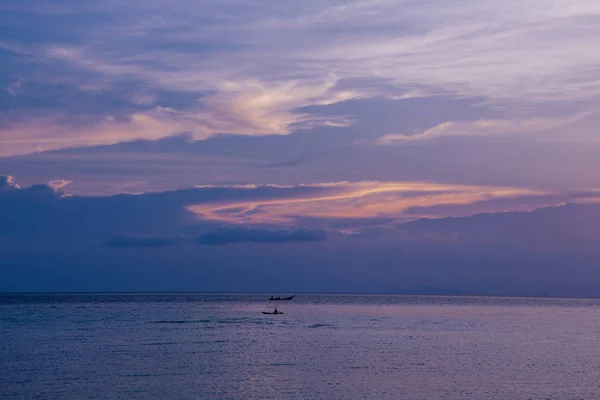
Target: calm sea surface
(192,346)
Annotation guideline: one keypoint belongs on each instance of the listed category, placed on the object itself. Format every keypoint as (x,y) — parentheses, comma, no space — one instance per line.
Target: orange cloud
(355,200)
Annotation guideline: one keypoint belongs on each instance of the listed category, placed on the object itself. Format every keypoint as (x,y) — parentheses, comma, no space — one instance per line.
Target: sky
(341,146)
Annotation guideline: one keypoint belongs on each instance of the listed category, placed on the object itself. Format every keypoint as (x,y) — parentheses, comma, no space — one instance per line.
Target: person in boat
(275,312)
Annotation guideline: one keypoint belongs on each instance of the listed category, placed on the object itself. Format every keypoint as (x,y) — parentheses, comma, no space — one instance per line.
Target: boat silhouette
(278,298)
(272,313)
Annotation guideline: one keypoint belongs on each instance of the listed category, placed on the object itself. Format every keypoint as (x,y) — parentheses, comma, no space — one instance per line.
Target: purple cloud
(231,235)
(257,71)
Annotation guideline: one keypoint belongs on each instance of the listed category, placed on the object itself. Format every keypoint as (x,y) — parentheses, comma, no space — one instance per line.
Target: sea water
(199,346)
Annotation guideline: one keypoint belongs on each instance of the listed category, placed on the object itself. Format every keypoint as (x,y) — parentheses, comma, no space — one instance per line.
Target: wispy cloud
(355,200)
(485,127)
(249,108)
(498,49)
(253,69)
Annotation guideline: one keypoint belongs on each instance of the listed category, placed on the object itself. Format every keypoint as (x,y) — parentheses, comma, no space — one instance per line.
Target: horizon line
(300,293)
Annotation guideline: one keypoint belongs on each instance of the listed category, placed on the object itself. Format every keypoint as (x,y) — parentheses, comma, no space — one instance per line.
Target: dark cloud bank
(52,242)
(228,235)
(221,236)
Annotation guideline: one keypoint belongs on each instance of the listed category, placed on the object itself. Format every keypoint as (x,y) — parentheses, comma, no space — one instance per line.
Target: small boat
(272,313)
(278,298)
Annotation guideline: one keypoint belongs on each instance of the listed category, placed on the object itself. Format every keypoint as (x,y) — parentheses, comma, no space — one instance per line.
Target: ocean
(221,346)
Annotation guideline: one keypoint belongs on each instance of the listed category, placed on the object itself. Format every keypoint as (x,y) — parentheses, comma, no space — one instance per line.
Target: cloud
(354,200)
(58,183)
(48,235)
(248,112)
(230,235)
(7,183)
(133,240)
(251,72)
(476,48)
(485,127)
(41,215)
(51,132)
(519,255)
(509,55)
(177,162)
(12,192)
(502,204)
(575,226)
